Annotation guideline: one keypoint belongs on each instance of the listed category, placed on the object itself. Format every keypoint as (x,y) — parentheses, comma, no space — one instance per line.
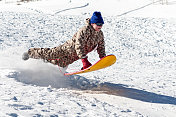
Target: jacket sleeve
(101,46)
(80,43)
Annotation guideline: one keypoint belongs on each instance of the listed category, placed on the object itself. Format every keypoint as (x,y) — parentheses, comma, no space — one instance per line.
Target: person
(87,39)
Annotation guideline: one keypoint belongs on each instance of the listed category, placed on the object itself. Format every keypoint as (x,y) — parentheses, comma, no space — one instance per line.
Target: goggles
(99,24)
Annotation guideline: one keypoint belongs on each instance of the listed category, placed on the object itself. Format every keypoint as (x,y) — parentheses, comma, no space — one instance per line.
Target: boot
(25,56)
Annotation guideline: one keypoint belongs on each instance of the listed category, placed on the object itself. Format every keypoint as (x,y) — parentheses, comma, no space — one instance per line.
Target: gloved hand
(86,63)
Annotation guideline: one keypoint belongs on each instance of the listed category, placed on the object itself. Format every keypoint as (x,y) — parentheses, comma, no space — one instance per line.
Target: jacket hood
(87,21)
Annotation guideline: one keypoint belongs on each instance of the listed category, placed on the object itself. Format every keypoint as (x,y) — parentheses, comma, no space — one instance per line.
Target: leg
(54,55)
(39,53)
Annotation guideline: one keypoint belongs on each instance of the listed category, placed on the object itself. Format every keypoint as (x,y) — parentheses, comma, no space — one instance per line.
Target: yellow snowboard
(102,63)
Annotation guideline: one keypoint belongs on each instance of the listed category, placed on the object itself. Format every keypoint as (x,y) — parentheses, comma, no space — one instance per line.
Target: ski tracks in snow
(71,8)
(143,75)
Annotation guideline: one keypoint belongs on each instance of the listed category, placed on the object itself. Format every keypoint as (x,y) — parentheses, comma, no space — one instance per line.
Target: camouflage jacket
(83,42)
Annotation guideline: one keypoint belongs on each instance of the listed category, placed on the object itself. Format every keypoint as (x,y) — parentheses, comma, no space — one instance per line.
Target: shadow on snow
(124,91)
(81,83)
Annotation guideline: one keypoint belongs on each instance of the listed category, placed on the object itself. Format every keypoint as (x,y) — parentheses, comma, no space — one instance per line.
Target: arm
(101,46)
(80,43)
(80,49)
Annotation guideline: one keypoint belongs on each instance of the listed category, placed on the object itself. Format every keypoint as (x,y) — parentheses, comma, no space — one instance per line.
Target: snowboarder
(87,39)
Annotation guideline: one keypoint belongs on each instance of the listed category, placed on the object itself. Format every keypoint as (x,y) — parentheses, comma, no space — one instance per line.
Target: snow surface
(142,83)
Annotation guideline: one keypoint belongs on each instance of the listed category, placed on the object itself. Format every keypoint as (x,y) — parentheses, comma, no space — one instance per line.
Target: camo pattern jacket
(83,42)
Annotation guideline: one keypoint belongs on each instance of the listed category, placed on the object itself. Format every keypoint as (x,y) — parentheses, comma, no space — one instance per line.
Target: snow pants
(54,55)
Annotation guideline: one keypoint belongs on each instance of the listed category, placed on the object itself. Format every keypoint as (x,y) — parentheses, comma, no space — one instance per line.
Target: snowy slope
(141,83)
